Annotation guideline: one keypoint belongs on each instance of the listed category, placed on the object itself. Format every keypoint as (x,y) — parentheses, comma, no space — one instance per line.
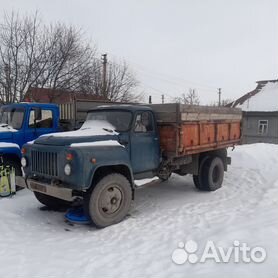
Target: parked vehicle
(118,144)
(24,122)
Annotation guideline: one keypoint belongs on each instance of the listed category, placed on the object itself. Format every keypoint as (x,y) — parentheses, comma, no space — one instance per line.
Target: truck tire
(109,200)
(197,179)
(212,174)
(52,202)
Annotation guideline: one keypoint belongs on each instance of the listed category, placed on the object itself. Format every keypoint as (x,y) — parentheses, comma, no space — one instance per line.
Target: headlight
(23,162)
(67,169)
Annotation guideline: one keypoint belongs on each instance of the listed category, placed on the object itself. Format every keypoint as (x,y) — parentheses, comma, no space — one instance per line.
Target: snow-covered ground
(36,243)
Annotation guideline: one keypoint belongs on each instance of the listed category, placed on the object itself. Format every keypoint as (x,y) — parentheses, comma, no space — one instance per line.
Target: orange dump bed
(187,129)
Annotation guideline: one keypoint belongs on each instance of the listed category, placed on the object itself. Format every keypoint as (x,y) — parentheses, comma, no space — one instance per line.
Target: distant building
(260,113)
(44,95)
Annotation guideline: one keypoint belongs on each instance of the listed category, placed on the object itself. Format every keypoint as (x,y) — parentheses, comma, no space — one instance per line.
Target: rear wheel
(109,200)
(211,174)
(198,178)
(52,202)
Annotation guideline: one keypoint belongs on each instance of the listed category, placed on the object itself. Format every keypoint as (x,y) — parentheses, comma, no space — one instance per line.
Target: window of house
(263,127)
(46,120)
(143,122)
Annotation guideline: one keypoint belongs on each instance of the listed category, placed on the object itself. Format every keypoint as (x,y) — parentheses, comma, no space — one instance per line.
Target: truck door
(16,120)
(144,145)
(44,125)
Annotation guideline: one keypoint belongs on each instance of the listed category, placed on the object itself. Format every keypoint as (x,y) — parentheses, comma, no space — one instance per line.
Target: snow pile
(7,128)
(37,243)
(265,100)
(145,181)
(107,143)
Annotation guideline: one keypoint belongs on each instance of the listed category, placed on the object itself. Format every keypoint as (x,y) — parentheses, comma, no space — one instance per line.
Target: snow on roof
(264,98)
(8,145)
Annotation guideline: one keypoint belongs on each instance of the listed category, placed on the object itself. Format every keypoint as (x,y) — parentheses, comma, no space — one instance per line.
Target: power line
(177,81)
(173,79)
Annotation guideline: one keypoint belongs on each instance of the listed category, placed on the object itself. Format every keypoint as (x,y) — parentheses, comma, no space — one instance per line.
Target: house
(260,113)
(45,95)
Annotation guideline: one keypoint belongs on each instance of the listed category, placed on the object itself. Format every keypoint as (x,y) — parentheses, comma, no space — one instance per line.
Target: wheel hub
(111,200)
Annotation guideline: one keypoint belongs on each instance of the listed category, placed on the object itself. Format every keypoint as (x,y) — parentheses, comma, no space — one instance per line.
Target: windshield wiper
(108,130)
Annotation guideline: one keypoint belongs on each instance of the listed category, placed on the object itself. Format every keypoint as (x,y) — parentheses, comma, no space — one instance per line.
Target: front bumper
(45,188)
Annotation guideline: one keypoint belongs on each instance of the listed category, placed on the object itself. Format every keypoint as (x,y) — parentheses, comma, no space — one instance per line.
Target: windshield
(11,117)
(120,120)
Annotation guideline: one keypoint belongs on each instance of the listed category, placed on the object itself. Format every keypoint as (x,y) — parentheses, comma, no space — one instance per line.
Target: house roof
(46,95)
(263,98)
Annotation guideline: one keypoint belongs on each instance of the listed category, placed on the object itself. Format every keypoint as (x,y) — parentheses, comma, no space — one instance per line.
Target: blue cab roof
(31,104)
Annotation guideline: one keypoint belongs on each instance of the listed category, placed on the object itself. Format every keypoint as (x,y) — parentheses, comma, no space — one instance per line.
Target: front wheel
(109,200)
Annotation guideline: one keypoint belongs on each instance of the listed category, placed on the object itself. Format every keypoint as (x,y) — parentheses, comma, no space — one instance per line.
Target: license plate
(38,187)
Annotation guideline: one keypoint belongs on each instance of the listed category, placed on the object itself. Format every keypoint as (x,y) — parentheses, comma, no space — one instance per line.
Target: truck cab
(21,123)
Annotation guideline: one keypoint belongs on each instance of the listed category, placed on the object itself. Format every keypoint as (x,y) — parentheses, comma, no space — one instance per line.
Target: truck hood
(4,136)
(78,136)
(6,132)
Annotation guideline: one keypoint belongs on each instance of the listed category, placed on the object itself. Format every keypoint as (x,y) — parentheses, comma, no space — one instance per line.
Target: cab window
(143,122)
(46,120)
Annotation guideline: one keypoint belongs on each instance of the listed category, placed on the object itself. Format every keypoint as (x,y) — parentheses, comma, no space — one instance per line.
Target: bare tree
(17,60)
(190,98)
(224,102)
(56,57)
(66,59)
(120,82)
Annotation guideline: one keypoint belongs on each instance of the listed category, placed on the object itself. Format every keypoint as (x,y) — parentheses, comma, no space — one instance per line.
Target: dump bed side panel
(168,139)
(186,129)
(192,138)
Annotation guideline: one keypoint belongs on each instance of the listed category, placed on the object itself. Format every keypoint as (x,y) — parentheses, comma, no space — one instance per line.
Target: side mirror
(38,113)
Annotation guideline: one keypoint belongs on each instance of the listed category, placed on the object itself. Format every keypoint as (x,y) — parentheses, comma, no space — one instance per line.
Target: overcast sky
(175,45)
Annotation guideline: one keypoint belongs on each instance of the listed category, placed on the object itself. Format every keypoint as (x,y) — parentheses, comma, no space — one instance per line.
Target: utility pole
(104,73)
(150,99)
(219,96)
(162,99)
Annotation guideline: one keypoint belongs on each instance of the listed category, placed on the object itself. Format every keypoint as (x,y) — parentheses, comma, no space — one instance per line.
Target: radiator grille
(45,163)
